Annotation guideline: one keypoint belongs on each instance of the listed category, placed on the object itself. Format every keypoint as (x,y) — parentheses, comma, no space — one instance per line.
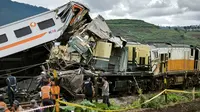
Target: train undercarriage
(131,82)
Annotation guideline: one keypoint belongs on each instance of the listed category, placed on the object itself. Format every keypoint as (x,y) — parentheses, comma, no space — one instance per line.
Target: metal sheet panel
(102,49)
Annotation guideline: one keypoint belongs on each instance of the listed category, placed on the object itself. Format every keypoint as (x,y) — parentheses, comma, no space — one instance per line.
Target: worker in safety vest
(55,94)
(3,105)
(46,96)
(55,91)
(12,88)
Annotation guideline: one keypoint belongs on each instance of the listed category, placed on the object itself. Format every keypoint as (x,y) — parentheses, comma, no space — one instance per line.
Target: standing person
(55,94)
(34,105)
(12,87)
(55,91)
(3,104)
(46,97)
(88,89)
(105,91)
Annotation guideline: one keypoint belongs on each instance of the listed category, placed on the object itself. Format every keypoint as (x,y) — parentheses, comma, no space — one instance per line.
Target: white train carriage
(39,29)
(159,57)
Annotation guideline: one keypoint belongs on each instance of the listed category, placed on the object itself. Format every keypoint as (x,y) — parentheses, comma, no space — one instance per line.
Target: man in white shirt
(105,91)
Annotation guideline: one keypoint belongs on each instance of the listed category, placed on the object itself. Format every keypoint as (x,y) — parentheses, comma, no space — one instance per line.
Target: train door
(185,64)
(134,58)
(163,63)
(196,59)
(166,63)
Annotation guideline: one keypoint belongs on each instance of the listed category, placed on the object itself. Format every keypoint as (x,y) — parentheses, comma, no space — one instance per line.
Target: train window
(169,55)
(46,24)
(162,57)
(192,52)
(155,54)
(142,60)
(3,38)
(23,32)
(64,14)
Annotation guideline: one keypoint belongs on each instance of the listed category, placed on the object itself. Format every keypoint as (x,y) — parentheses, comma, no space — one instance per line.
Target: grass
(99,106)
(159,102)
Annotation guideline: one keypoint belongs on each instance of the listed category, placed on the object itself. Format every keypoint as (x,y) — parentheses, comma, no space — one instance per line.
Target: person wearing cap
(88,89)
(48,77)
(16,107)
(3,105)
(34,105)
(42,79)
(12,87)
(46,95)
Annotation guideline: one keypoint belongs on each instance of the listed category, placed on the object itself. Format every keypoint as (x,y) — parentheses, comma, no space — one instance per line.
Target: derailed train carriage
(130,65)
(157,66)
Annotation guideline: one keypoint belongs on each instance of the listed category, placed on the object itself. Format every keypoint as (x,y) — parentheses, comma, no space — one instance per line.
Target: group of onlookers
(50,91)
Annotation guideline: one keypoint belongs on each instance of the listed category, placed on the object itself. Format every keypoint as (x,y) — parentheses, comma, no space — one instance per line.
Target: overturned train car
(25,44)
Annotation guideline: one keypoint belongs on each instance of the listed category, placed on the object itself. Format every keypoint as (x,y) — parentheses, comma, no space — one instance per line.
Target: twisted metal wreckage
(91,48)
(86,53)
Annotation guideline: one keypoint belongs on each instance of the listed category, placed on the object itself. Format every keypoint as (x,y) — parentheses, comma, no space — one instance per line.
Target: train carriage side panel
(22,36)
(181,58)
(138,55)
(36,30)
(159,58)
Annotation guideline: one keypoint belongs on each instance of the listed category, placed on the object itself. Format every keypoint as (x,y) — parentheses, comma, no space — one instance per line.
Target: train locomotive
(156,66)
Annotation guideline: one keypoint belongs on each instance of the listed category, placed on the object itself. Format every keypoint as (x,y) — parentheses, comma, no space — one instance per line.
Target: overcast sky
(159,12)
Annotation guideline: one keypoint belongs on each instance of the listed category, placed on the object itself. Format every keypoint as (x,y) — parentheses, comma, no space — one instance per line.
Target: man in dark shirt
(88,89)
(12,87)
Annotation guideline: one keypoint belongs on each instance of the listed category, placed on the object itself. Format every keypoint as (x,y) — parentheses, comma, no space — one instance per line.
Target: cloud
(101,5)
(192,5)
(162,12)
(159,4)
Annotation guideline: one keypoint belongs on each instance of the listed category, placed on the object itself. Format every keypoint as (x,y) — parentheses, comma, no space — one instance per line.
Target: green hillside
(140,31)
